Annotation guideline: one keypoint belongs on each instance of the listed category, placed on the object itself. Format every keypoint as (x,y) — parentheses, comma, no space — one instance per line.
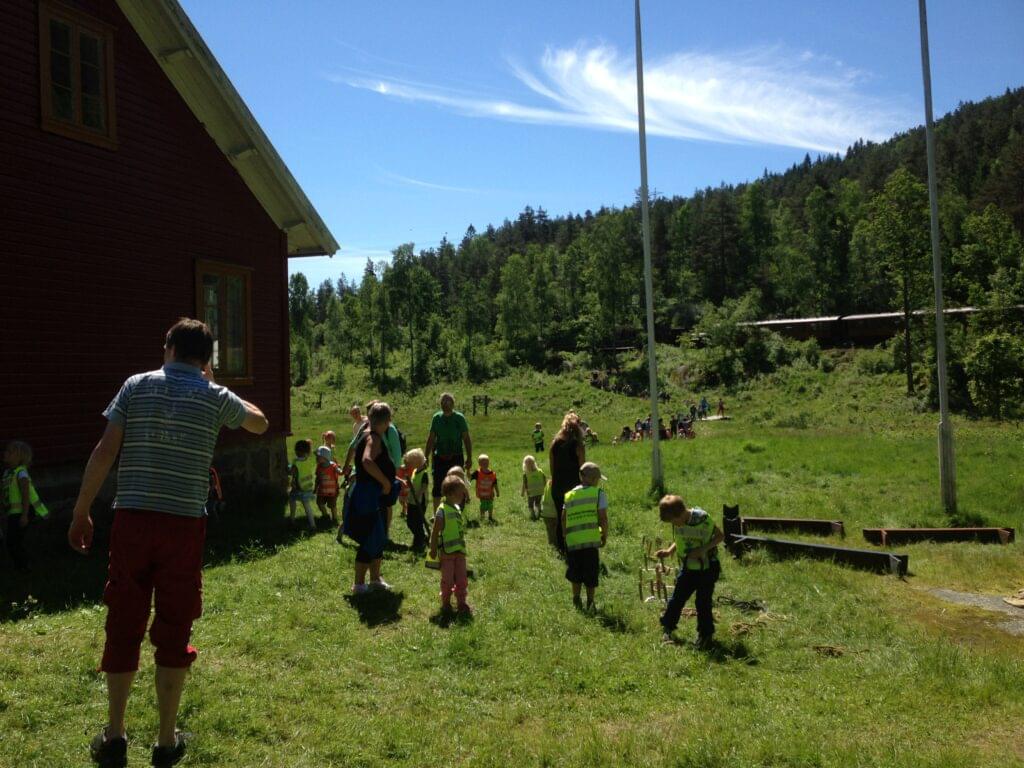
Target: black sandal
(107,752)
(165,757)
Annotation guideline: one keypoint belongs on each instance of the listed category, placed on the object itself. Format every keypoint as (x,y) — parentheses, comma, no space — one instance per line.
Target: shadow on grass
(718,651)
(377,607)
(614,623)
(59,580)
(394,547)
(445,619)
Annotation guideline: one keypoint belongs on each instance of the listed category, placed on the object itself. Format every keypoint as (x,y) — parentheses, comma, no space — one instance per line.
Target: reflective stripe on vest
(582,526)
(535,483)
(14,495)
(696,533)
(485,481)
(306,471)
(452,540)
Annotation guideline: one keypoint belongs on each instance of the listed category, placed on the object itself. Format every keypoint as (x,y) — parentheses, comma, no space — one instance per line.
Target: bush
(875,361)
(995,372)
(800,420)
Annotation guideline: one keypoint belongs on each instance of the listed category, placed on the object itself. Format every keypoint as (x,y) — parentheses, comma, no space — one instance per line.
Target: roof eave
(195,73)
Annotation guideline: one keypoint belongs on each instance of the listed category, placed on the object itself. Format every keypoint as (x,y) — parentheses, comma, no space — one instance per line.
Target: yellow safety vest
(452,540)
(418,487)
(582,528)
(14,495)
(547,504)
(696,533)
(535,482)
(307,472)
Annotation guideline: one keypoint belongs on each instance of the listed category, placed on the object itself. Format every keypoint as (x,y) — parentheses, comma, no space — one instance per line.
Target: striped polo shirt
(171,418)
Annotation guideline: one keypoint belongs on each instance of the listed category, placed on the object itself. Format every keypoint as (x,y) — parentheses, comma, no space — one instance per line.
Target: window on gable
(76,64)
(224,302)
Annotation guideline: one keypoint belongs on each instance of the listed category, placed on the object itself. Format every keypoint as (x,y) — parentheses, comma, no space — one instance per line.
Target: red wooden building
(135,187)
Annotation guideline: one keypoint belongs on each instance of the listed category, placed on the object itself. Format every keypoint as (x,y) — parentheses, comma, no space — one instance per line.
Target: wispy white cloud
(408,181)
(763,96)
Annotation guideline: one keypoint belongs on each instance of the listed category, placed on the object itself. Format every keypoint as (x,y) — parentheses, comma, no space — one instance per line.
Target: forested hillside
(831,235)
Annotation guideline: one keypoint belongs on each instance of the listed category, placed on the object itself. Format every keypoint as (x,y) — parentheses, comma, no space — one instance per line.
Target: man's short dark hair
(191,340)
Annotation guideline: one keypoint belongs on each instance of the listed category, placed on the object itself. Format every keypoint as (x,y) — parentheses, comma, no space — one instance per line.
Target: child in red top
(486,486)
(328,481)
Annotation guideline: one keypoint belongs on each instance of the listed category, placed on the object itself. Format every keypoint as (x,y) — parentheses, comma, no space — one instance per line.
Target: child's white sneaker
(360,589)
(380,584)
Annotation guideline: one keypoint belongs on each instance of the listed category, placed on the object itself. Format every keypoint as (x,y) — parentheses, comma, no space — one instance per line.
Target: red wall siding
(97,246)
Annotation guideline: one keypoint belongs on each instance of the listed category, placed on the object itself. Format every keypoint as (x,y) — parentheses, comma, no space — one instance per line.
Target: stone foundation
(244,468)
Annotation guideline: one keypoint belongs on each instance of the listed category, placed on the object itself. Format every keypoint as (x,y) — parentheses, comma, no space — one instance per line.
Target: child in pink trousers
(448,536)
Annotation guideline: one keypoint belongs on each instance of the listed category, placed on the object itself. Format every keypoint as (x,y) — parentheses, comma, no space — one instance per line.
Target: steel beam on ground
(867,559)
(889,536)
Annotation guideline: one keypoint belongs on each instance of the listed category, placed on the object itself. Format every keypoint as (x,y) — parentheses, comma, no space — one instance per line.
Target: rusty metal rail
(868,559)
(890,536)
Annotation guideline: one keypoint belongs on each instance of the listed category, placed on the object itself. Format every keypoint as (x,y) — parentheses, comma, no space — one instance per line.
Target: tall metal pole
(657,478)
(947,459)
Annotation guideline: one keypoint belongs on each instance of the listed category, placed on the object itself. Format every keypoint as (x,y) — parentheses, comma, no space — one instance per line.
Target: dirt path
(1014,625)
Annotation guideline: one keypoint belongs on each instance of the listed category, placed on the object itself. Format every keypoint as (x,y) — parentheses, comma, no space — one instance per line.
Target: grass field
(844,669)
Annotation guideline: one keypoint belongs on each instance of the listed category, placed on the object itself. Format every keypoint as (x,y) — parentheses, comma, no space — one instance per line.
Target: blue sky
(406,121)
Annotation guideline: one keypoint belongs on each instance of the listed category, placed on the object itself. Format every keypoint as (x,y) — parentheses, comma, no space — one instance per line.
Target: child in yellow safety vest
(534,481)
(549,514)
(416,497)
(448,536)
(585,523)
(695,541)
(20,499)
(486,486)
(302,478)
(538,437)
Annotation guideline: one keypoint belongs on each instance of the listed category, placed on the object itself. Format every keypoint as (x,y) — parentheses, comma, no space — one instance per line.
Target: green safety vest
(535,483)
(452,540)
(696,533)
(538,436)
(418,487)
(307,472)
(547,504)
(582,528)
(14,495)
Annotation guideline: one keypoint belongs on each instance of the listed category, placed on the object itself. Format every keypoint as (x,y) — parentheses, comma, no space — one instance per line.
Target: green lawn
(845,669)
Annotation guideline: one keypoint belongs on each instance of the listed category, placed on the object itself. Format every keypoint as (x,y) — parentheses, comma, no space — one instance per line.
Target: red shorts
(153,554)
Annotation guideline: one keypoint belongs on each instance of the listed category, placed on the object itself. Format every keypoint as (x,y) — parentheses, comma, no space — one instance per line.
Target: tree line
(830,235)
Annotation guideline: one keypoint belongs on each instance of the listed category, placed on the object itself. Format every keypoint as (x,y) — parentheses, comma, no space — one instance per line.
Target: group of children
(583,521)
(315,478)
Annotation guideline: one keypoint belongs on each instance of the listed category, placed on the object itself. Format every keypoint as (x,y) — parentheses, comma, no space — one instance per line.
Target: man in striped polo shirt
(164,424)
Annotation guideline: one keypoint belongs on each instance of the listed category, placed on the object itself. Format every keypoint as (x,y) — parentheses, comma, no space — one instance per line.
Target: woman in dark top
(375,490)
(566,456)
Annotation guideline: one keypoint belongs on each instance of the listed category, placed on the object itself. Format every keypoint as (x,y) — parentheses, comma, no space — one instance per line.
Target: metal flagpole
(657,478)
(947,459)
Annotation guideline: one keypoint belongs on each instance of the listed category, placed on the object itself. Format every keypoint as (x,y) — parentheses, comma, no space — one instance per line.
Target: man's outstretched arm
(96,471)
